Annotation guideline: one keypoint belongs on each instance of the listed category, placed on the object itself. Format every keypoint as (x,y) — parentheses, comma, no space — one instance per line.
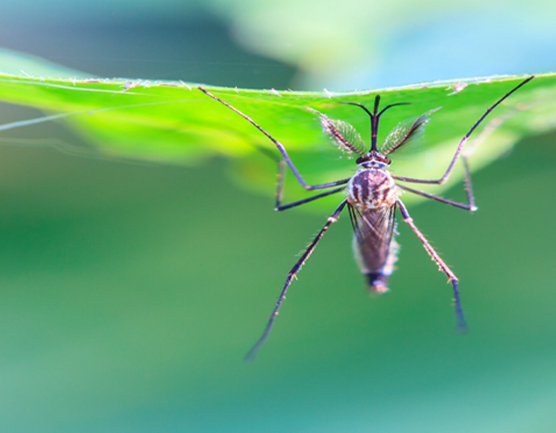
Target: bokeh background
(129,292)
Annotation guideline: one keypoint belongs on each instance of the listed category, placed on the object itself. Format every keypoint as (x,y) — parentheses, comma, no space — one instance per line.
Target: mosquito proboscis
(373,195)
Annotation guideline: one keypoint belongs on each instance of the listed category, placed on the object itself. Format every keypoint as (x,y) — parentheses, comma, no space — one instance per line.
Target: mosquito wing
(373,244)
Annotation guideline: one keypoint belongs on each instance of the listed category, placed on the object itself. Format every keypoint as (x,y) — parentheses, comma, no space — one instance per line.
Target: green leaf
(174,122)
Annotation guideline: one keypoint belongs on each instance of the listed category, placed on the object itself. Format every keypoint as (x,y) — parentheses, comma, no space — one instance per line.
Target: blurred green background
(129,292)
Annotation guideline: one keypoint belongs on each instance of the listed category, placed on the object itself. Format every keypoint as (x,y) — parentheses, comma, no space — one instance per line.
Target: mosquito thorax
(372,186)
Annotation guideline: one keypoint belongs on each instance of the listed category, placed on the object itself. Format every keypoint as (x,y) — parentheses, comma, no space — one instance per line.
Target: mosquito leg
(279,145)
(280,185)
(307,200)
(462,142)
(470,207)
(470,148)
(485,133)
(331,219)
(468,184)
(280,191)
(443,266)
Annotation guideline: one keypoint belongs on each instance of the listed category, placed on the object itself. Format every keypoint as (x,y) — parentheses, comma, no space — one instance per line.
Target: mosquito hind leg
(331,219)
(460,319)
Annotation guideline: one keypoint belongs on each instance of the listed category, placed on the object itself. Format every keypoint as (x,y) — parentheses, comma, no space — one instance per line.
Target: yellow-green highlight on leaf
(173,122)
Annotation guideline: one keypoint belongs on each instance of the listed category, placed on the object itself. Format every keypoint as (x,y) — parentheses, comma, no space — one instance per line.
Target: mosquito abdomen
(376,266)
(377,282)
(372,194)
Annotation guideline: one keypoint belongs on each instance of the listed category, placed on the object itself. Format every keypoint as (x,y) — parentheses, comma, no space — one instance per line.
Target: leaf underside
(174,122)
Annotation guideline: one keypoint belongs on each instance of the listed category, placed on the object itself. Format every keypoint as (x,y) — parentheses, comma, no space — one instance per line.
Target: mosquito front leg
(468,186)
(293,272)
(436,258)
(278,145)
(462,142)
(485,133)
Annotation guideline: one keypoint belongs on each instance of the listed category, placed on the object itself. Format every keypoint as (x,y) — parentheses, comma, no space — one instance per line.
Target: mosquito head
(375,116)
(373,159)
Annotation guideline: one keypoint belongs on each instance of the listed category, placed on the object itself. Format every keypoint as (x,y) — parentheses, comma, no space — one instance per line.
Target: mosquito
(373,195)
